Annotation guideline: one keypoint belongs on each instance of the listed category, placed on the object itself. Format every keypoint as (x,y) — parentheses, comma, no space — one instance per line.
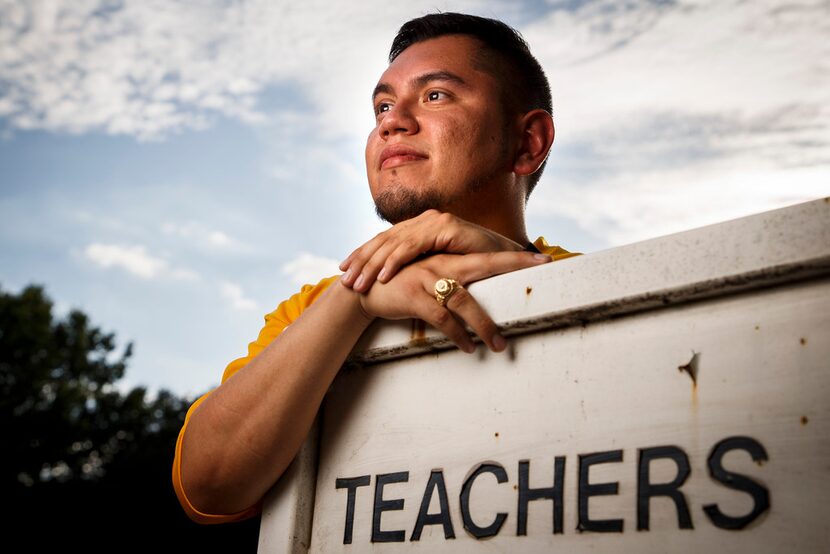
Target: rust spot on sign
(528,290)
(803,341)
(515,487)
(804,420)
(757,327)
(419,333)
(497,434)
(691,367)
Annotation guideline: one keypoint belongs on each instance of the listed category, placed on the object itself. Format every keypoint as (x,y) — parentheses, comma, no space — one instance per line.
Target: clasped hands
(396,272)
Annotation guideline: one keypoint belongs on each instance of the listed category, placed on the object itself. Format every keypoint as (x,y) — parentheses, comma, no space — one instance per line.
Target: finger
(370,263)
(353,264)
(370,268)
(446,235)
(439,317)
(418,235)
(432,231)
(344,265)
(403,253)
(475,267)
(348,276)
(466,308)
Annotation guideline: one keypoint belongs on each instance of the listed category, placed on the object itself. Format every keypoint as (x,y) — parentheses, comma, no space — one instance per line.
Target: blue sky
(176,168)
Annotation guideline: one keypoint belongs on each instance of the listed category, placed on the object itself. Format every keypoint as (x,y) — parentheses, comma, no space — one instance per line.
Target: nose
(398,120)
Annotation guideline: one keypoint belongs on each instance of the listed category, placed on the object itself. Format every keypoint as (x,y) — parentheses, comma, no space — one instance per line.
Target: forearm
(243,436)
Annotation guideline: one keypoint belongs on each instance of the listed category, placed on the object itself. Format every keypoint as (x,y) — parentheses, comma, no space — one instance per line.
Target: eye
(435,95)
(382,107)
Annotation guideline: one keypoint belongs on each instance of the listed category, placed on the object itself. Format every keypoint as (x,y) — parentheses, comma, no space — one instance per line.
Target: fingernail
(469,348)
(358,282)
(499,343)
(346,277)
(543,257)
(382,274)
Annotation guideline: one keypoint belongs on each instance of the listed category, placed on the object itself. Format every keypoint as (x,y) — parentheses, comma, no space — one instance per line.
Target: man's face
(440,133)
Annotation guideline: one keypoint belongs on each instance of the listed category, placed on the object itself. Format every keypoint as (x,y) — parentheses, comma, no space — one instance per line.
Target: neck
(496,210)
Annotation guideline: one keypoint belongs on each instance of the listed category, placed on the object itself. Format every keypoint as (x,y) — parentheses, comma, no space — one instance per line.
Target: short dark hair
(523,80)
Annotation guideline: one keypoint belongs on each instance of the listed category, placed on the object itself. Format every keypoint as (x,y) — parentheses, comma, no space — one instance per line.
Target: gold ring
(444,288)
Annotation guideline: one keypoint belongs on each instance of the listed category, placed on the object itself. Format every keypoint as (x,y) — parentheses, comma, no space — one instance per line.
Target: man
(463,128)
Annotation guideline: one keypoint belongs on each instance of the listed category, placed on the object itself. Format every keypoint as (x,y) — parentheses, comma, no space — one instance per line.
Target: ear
(537,134)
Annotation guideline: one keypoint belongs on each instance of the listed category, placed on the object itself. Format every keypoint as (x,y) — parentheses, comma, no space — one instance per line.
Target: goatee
(400,203)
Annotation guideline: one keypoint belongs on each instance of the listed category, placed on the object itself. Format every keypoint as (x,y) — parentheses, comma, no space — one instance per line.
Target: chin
(399,203)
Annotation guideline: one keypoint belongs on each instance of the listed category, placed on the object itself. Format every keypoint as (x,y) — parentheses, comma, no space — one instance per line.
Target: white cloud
(146,68)
(150,67)
(308,268)
(627,208)
(200,234)
(674,115)
(183,274)
(610,59)
(234,294)
(136,261)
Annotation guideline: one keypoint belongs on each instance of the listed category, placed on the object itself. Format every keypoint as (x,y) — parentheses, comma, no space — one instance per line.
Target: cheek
(368,149)
(371,152)
(455,141)
(479,138)
(371,173)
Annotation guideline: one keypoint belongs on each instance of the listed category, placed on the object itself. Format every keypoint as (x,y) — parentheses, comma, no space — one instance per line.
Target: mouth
(396,155)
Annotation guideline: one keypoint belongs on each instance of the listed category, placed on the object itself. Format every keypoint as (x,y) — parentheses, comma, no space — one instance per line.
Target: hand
(432,231)
(411,294)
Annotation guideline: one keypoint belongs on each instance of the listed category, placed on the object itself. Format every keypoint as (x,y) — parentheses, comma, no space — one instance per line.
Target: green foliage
(84,459)
(64,418)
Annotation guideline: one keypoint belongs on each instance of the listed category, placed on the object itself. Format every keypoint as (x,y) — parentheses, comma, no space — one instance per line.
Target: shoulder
(556,252)
(278,320)
(291,308)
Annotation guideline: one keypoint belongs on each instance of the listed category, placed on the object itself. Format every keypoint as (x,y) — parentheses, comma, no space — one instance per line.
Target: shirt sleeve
(555,252)
(275,323)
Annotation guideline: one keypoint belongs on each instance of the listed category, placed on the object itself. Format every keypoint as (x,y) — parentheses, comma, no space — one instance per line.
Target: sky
(176,168)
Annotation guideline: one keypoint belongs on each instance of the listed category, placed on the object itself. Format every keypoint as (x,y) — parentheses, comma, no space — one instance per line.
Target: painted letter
(494,528)
(436,481)
(759,493)
(645,489)
(554,493)
(587,490)
(351,484)
(382,505)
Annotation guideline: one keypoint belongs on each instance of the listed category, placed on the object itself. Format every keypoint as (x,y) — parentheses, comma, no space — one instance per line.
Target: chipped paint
(691,367)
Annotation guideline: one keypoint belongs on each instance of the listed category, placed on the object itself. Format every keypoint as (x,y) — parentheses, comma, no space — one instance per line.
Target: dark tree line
(85,464)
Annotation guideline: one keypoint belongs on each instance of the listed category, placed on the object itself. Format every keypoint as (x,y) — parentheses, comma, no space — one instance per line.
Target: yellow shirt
(275,322)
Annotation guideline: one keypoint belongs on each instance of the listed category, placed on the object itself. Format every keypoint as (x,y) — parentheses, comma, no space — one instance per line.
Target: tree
(86,464)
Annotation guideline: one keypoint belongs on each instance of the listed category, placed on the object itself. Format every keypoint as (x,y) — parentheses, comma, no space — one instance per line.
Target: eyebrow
(421,81)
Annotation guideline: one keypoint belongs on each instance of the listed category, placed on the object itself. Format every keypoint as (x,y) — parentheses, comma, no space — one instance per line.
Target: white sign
(670,395)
